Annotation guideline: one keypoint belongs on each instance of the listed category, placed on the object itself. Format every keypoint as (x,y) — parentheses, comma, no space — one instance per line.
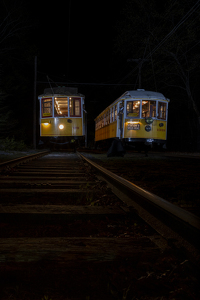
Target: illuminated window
(112,117)
(133,108)
(115,113)
(98,123)
(162,107)
(47,107)
(75,107)
(148,109)
(102,121)
(107,118)
(61,107)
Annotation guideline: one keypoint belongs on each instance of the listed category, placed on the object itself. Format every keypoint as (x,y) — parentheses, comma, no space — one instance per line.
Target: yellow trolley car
(62,116)
(137,118)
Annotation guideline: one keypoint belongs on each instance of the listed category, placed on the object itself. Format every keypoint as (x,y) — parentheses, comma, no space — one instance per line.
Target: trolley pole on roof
(34,104)
(139,61)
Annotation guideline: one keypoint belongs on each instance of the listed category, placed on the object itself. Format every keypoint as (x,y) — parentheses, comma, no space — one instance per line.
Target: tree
(17,52)
(15,22)
(7,122)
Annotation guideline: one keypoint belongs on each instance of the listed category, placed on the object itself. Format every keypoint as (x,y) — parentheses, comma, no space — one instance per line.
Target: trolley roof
(64,91)
(140,93)
(137,94)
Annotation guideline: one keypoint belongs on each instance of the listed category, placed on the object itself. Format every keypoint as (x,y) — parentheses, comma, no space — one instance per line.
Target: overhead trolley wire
(87,83)
(189,13)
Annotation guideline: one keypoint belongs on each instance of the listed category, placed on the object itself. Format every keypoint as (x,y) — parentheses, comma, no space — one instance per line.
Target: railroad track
(71,232)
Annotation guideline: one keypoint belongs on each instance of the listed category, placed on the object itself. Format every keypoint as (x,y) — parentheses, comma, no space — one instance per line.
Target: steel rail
(14,162)
(185,222)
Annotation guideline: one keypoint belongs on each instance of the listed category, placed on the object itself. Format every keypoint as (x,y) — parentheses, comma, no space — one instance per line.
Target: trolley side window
(47,107)
(98,123)
(75,107)
(107,117)
(162,108)
(148,109)
(61,107)
(102,121)
(112,117)
(115,116)
(133,108)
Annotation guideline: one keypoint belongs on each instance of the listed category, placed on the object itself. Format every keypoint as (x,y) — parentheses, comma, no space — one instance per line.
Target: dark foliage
(17,53)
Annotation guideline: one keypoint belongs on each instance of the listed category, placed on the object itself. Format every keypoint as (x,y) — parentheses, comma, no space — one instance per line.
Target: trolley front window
(47,107)
(162,108)
(148,109)
(133,108)
(61,107)
(75,107)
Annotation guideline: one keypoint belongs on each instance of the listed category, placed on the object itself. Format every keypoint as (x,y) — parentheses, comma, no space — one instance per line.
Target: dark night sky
(85,52)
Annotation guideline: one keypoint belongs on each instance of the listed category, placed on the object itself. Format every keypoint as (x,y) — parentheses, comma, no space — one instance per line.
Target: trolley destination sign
(133,126)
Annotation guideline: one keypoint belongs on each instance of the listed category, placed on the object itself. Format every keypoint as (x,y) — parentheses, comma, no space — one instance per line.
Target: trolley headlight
(149,120)
(61,126)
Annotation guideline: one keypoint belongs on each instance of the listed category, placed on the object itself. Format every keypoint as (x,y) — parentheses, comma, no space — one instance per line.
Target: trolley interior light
(46,123)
